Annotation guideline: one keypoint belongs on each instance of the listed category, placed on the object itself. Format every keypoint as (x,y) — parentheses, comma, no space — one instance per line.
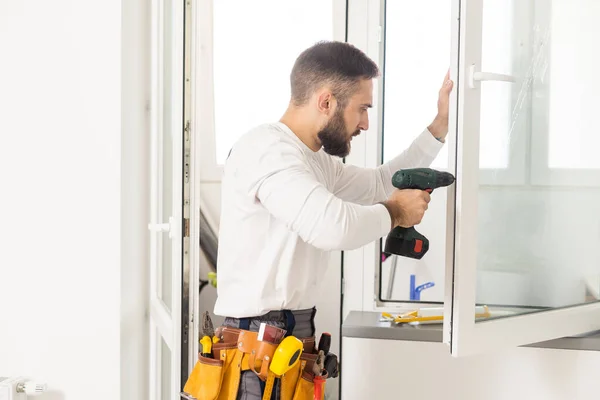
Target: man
(287,198)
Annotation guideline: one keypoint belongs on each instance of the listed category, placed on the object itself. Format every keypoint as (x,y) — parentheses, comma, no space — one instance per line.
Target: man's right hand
(407,207)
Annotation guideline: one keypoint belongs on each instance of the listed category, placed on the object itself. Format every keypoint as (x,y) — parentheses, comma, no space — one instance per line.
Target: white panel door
(529,253)
(166,199)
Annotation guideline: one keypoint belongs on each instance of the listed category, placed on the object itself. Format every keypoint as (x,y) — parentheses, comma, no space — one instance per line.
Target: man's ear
(326,102)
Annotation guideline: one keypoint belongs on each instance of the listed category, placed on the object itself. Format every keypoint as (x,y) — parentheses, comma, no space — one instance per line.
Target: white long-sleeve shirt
(284,207)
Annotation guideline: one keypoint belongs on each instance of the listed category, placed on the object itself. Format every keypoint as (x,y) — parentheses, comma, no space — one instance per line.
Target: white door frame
(165,323)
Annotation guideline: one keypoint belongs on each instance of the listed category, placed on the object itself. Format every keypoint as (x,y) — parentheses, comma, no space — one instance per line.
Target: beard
(334,136)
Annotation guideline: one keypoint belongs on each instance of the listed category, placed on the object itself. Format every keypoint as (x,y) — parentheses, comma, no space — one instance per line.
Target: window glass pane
(170,119)
(253,58)
(165,371)
(413,73)
(414,70)
(574,85)
(496,56)
(538,245)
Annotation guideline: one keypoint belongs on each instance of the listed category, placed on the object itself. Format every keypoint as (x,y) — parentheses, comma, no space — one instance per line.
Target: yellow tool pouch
(305,388)
(218,378)
(214,378)
(258,354)
(297,383)
(289,380)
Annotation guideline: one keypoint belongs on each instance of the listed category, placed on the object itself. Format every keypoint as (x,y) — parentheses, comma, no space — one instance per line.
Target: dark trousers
(300,323)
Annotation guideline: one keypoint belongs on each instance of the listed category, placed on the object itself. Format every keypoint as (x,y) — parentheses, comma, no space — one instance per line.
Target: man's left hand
(439,126)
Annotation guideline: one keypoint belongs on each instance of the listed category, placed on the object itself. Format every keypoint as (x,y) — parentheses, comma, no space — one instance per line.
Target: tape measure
(285,358)
(286,355)
(269,386)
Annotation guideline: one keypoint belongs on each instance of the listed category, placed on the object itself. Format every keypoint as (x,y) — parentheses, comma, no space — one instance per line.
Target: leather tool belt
(238,350)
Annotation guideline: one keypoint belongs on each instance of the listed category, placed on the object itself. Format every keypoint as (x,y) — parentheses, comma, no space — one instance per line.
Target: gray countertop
(367,325)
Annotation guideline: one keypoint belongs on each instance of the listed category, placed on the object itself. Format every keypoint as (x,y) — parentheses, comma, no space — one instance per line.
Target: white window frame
(165,323)
(464,335)
(361,266)
(516,172)
(524,169)
(517,169)
(210,170)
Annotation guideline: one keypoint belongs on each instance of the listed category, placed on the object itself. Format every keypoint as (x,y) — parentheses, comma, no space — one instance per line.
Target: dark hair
(338,64)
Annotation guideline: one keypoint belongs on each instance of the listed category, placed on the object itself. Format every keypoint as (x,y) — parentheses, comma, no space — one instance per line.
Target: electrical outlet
(8,389)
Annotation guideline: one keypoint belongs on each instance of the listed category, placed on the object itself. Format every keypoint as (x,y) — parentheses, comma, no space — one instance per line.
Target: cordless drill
(408,242)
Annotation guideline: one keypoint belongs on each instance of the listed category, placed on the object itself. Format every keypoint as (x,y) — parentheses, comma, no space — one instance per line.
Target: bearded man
(288,199)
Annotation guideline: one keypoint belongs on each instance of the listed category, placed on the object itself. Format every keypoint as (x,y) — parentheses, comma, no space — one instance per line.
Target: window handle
(165,227)
(487,76)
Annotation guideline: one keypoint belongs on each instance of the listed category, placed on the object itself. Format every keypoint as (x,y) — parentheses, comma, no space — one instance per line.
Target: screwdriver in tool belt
(331,361)
(324,346)
(323,350)
(318,379)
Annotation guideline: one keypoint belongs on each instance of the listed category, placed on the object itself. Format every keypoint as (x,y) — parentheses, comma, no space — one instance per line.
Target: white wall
(385,369)
(61,163)
(135,207)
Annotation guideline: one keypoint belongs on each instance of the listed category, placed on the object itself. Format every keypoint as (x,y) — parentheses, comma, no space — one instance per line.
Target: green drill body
(407,242)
